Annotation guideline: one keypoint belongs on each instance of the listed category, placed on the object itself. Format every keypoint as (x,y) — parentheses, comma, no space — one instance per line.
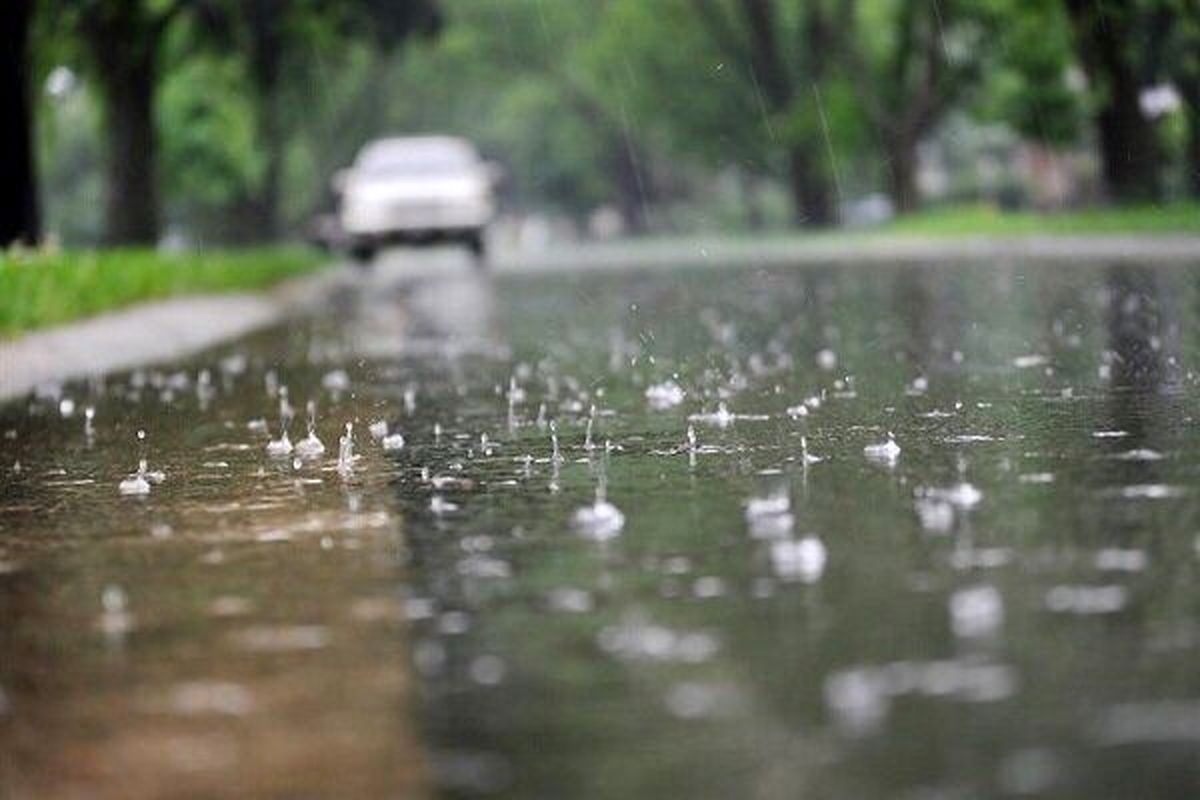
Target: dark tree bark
(1184,70)
(1193,146)
(131,191)
(901,152)
(633,192)
(123,38)
(1129,151)
(19,219)
(810,189)
(908,94)
(808,180)
(266,46)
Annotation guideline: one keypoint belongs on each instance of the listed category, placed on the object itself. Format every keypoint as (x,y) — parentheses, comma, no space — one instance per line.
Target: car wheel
(478,248)
(362,254)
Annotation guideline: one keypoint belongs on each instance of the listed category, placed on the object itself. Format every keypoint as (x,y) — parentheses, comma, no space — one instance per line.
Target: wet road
(933,534)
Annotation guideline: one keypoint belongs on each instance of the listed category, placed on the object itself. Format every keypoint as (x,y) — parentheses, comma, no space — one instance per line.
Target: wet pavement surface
(826,531)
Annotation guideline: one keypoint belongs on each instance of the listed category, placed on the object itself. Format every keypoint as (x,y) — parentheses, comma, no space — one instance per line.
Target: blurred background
(196,122)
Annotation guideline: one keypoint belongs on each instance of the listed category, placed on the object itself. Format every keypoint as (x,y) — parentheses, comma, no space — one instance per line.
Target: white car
(415,190)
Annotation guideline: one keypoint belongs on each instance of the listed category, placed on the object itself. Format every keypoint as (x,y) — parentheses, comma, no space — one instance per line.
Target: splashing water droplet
(346,450)
(310,446)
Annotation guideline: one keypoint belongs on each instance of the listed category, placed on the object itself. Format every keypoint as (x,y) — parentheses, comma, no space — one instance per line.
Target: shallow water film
(849,532)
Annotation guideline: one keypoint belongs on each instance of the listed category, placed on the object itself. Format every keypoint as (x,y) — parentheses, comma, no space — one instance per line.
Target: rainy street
(902,530)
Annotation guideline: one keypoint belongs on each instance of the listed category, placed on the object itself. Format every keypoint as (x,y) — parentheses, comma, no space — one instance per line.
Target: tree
(1028,81)
(1181,19)
(519,78)
(1107,36)
(19,218)
(912,62)
(123,43)
(758,35)
(742,83)
(276,37)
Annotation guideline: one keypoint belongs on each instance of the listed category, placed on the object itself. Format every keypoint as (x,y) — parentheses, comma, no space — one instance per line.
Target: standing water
(704,607)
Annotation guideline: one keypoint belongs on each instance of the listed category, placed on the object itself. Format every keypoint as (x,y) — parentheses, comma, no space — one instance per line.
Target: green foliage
(45,288)
(1029,87)
(262,100)
(210,152)
(982,220)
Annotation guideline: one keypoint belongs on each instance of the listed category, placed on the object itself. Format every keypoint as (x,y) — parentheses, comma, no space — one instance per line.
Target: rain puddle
(850,532)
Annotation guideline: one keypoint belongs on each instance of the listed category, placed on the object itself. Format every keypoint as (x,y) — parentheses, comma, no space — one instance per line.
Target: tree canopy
(223,119)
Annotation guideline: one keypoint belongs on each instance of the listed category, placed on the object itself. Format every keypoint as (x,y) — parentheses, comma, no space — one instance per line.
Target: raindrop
(886,453)
(601,520)
(587,441)
(976,611)
(665,395)
(336,381)
(807,458)
(346,455)
(310,446)
(555,455)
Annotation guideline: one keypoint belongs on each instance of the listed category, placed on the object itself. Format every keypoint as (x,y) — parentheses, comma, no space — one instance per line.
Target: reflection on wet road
(840,532)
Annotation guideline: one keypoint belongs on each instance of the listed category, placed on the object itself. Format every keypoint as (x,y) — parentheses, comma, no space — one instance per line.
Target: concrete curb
(149,333)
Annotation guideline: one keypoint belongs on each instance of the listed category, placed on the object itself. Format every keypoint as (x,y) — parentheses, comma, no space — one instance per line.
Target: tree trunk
(1193,148)
(1191,108)
(131,196)
(811,193)
(124,45)
(19,221)
(1129,152)
(751,202)
(631,183)
(266,200)
(902,173)
(266,55)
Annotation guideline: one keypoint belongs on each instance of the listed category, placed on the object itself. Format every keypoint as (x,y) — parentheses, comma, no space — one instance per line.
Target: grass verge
(981,220)
(38,289)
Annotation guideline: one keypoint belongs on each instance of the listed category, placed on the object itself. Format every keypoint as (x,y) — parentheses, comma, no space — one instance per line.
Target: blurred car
(415,190)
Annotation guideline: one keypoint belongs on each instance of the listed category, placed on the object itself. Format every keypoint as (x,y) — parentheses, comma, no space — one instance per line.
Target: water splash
(665,395)
(976,611)
(886,453)
(722,417)
(807,458)
(346,457)
(587,440)
(280,447)
(310,446)
(555,454)
(283,445)
(138,484)
(802,560)
(601,520)
(770,517)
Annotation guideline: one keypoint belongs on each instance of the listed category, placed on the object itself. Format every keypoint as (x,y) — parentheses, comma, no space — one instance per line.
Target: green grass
(990,221)
(38,289)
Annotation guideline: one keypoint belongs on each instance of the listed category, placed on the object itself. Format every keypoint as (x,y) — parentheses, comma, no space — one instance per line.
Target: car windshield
(414,159)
